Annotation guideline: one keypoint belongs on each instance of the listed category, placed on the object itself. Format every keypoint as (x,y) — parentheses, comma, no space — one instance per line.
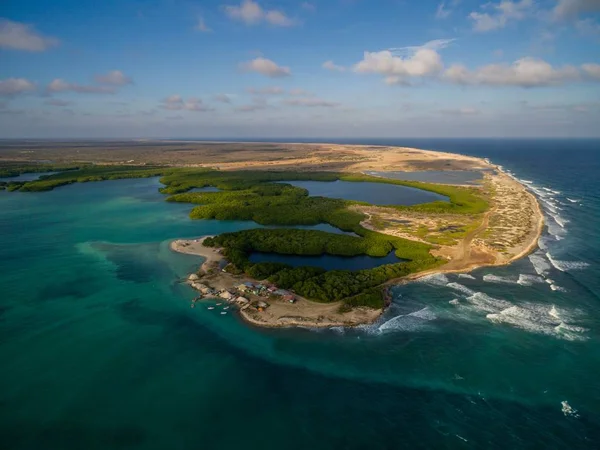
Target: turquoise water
(101,349)
(374,193)
(329,262)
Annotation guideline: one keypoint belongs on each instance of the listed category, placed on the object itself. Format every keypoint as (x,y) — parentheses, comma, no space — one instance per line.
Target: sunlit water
(374,193)
(101,349)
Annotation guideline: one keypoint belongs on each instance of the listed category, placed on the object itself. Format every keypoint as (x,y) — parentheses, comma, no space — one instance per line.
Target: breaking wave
(565,266)
(540,264)
(573,200)
(486,303)
(437,279)
(409,322)
(528,280)
(467,276)
(538,319)
(498,279)
(461,288)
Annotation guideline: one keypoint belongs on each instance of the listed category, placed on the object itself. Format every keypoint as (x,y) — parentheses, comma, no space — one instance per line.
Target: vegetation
(355,288)
(261,197)
(16,168)
(80,174)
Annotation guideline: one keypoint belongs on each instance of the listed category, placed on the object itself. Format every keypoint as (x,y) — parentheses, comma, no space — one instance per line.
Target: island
(405,217)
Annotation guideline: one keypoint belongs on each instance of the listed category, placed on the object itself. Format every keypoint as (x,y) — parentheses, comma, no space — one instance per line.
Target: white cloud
(20,36)
(591,70)
(568,9)
(310,102)
(525,72)
(436,44)
(201,26)
(266,67)
(424,62)
(222,98)
(177,103)
(279,19)
(258,103)
(251,13)
(501,14)
(330,65)
(268,90)
(441,11)
(60,85)
(114,78)
(308,6)
(15,86)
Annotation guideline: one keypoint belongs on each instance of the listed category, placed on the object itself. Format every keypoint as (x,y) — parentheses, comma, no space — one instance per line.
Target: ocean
(101,349)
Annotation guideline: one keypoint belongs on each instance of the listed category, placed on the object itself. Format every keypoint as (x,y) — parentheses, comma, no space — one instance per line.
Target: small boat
(224,312)
(211,307)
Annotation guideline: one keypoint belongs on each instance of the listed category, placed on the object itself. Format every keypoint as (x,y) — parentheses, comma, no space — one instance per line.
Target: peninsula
(468,225)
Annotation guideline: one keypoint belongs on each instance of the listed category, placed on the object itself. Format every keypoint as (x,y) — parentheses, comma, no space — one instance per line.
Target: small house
(226,295)
(289,298)
(242,300)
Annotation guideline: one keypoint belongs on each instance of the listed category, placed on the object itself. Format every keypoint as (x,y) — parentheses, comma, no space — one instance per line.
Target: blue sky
(283,68)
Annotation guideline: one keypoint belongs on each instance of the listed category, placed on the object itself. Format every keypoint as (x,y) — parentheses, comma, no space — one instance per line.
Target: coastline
(308,313)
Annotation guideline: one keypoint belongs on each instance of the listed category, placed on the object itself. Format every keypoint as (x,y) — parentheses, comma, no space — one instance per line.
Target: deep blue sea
(100,348)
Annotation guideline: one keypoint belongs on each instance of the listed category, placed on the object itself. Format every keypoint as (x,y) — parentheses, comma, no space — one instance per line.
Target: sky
(285,69)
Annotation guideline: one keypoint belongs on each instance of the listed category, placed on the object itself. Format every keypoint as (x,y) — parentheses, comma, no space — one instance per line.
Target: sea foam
(540,264)
(490,278)
(459,287)
(528,280)
(566,266)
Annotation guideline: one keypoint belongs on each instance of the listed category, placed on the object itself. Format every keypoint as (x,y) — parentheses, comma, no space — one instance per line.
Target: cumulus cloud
(177,103)
(568,9)
(591,70)
(301,92)
(251,13)
(310,102)
(15,86)
(20,36)
(525,72)
(201,26)
(114,78)
(330,65)
(60,85)
(258,103)
(500,14)
(397,69)
(266,67)
(222,98)
(268,90)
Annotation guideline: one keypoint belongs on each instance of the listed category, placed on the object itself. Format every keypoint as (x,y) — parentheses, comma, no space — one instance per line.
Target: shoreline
(307,313)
